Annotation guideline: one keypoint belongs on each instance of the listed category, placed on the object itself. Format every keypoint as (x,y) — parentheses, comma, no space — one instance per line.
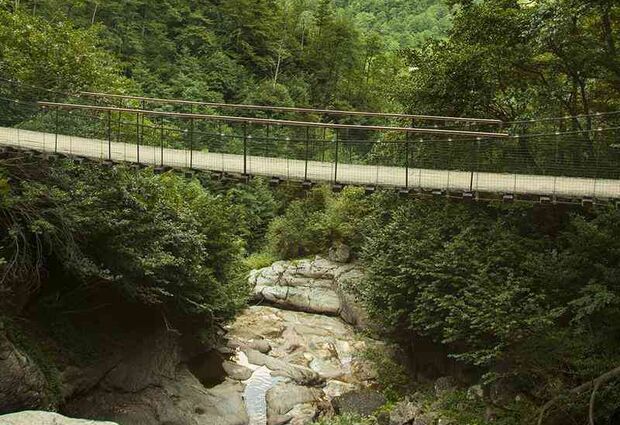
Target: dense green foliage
(312,224)
(522,294)
(500,291)
(517,293)
(288,52)
(403,24)
(513,59)
(56,55)
(159,241)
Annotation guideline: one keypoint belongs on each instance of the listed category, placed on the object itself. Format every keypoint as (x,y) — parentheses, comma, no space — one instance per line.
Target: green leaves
(160,241)
(512,59)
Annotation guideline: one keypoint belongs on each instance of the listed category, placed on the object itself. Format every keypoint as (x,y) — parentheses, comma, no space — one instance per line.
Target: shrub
(541,311)
(161,241)
(312,224)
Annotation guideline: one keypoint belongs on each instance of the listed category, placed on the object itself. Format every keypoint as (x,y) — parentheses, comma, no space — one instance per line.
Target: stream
(295,346)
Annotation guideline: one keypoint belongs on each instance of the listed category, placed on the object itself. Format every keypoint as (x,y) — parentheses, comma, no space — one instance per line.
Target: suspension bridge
(565,159)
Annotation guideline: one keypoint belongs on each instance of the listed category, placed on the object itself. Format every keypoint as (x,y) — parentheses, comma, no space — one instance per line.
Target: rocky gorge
(286,359)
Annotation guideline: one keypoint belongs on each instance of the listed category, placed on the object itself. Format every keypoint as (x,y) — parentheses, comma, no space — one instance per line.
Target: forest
(517,303)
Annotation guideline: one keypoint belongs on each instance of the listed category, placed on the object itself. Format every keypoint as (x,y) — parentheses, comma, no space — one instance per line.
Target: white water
(255,393)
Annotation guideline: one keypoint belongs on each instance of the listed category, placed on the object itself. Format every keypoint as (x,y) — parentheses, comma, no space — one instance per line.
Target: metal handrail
(266,121)
(296,110)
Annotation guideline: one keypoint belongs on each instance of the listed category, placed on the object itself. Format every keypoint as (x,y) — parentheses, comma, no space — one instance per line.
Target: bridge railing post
(307,153)
(118,127)
(336,157)
(191,143)
(109,135)
(161,142)
(407,160)
(138,137)
(475,165)
(245,149)
(56,131)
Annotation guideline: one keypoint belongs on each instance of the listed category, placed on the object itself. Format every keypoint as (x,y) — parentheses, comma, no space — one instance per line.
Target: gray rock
(148,364)
(317,286)
(339,253)
(424,420)
(445,385)
(304,414)
(475,392)
(299,374)
(236,371)
(363,402)
(180,401)
(404,413)
(22,384)
(310,299)
(446,421)
(260,345)
(151,386)
(351,310)
(45,418)
(279,420)
(282,398)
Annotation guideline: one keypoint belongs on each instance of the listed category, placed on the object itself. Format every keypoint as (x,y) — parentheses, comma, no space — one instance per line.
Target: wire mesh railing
(539,160)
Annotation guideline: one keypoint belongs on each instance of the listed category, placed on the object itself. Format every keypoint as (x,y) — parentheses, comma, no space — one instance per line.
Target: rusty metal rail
(267,121)
(297,110)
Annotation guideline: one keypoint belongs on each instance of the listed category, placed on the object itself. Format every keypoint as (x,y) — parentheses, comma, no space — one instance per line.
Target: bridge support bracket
(469,196)
(587,201)
(337,187)
(546,200)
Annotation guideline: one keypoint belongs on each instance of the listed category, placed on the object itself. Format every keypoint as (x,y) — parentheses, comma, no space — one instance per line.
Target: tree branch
(595,383)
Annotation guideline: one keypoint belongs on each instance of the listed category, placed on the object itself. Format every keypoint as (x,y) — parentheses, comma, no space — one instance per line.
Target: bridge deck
(316,171)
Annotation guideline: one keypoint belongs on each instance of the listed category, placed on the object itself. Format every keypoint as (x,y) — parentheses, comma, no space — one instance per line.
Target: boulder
(445,385)
(22,384)
(236,371)
(299,374)
(304,414)
(151,385)
(282,398)
(351,310)
(279,420)
(362,402)
(318,286)
(424,420)
(339,253)
(181,400)
(475,392)
(310,299)
(260,345)
(148,364)
(404,413)
(45,418)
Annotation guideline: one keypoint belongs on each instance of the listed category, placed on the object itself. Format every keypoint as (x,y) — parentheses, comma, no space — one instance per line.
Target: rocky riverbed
(299,350)
(286,358)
